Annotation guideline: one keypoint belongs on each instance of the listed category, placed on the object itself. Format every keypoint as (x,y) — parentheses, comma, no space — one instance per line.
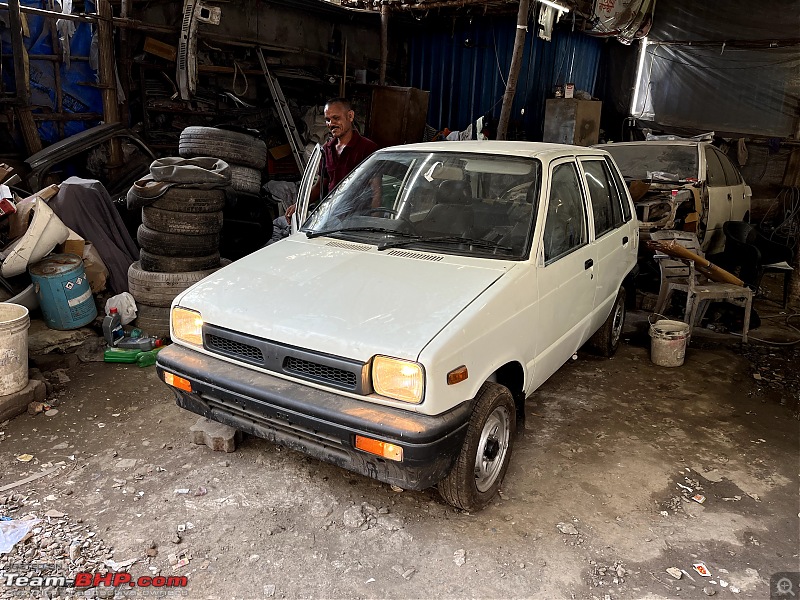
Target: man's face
(338,120)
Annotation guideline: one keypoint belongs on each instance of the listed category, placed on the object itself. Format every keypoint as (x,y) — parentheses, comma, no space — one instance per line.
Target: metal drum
(63,290)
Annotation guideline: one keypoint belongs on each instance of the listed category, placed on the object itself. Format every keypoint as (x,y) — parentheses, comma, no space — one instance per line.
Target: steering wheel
(392,213)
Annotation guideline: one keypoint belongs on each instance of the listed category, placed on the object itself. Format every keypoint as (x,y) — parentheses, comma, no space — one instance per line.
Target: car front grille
(235,349)
(320,373)
(333,371)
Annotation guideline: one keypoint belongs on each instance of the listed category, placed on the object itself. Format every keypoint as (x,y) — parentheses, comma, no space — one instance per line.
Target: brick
(15,404)
(218,437)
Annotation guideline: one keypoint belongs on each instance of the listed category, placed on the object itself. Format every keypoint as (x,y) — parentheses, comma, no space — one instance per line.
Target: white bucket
(668,343)
(14,323)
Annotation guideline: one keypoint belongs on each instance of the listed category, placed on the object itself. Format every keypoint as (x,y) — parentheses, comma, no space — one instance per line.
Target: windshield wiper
(313,234)
(448,239)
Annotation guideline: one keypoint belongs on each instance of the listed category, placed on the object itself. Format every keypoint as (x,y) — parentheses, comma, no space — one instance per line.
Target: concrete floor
(604,452)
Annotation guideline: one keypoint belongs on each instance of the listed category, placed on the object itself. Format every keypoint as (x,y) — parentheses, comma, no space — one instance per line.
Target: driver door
(304,191)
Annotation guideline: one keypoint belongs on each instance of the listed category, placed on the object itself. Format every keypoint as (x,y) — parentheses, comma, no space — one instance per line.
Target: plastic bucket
(63,290)
(14,323)
(668,342)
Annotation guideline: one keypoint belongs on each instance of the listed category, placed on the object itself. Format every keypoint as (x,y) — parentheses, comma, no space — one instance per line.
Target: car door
(719,201)
(739,193)
(304,191)
(566,271)
(610,235)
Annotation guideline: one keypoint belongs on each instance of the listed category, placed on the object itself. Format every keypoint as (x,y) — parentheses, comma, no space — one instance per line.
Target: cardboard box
(96,270)
(75,244)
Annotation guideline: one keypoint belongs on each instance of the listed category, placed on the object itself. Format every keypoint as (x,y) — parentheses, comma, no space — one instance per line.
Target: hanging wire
(497,58)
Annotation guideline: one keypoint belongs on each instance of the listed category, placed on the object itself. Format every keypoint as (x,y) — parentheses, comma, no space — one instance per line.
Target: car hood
(342,298)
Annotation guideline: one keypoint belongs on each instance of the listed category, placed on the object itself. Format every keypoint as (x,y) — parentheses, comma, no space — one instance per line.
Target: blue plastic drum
(63,290)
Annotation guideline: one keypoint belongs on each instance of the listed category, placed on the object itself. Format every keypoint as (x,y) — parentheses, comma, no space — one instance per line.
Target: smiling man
(342,152)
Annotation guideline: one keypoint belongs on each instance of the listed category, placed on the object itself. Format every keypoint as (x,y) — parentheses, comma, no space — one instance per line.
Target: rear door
(739,192)
(566,273)
(719,201)
(611,235)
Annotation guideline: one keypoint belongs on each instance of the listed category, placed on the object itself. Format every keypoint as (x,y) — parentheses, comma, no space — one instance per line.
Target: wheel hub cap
(492,448)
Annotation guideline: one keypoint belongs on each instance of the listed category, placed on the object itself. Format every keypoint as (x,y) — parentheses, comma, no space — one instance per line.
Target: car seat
(452,214)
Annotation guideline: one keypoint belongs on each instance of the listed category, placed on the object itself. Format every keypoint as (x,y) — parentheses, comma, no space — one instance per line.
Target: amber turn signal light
(177,382)
(384,449)
(457,375)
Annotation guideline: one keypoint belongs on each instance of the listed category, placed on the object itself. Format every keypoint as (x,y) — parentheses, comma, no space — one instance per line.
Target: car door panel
(566,276)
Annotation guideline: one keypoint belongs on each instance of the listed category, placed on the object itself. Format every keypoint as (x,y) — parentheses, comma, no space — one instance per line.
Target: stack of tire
(179,241)
(246,155)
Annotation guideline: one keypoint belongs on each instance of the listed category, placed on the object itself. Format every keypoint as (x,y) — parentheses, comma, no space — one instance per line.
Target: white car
(398,333)
(694,187)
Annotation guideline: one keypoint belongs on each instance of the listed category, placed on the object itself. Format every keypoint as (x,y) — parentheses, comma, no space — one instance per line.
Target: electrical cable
(497,58)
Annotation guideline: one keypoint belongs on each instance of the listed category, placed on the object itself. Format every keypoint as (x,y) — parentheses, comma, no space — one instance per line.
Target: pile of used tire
(179,240)
(246,155)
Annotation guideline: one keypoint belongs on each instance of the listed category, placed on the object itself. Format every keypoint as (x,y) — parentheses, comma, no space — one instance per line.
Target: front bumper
(319,423)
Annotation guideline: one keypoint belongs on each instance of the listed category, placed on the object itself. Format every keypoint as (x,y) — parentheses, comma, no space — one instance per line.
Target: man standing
(340,155)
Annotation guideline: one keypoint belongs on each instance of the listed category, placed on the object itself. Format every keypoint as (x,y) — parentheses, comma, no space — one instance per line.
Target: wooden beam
(30,134)
(513,71)
(108,81)
(384,42)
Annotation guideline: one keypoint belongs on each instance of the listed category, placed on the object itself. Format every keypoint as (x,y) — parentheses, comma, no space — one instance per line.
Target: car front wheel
(478,471)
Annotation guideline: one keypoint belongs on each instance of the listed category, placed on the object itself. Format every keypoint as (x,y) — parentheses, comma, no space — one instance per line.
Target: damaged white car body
(684,185)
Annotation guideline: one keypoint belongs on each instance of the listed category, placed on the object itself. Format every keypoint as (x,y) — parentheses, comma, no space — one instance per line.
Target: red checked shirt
(337,166)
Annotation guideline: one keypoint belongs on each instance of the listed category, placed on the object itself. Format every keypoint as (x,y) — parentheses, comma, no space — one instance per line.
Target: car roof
(651,143)
(538,150)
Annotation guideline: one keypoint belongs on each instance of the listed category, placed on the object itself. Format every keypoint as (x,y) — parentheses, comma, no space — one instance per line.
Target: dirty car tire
(159,289)
(177,264)
(169,221)
(479,469)
(245,179)
(152,320)
(230,146)
(607,339)
(176,244)
(191,200)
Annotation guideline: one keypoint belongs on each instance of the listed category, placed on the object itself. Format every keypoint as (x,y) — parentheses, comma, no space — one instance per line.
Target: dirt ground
(595,504)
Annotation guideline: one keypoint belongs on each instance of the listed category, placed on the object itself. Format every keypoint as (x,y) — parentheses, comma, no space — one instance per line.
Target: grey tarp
(85,207)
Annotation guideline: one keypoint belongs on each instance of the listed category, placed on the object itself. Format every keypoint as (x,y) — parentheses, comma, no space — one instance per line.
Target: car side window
(732,176)
(621,187)
(715,173)
(565,227)
(606,207)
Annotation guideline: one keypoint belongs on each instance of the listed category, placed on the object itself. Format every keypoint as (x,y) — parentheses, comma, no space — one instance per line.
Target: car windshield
(676,162)
(450,202)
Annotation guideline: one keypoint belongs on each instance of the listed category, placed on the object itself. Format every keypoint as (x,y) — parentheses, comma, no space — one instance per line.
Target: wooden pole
(513,72)
(384,42)
(108,81)
(30,134)
(56,71)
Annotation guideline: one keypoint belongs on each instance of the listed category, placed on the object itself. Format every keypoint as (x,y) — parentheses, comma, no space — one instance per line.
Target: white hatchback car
(694,187)
(398,333)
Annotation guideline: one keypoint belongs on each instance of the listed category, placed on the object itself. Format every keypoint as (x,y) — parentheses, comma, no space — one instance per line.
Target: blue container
(63,290)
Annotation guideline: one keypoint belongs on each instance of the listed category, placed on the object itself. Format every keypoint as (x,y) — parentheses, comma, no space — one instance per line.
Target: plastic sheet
(13,531)
(739,75)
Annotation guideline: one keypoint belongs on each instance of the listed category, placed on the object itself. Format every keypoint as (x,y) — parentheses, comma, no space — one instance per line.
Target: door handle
(588,264)
(625,240)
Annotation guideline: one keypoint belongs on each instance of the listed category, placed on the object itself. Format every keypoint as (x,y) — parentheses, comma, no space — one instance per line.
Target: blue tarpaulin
(465,68)
(77,96)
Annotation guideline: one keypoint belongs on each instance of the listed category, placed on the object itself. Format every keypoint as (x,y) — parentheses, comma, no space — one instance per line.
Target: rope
(236,70)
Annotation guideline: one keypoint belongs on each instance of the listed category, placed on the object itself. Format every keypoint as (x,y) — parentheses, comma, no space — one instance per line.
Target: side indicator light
(384,449)
(177,382)
(457,375)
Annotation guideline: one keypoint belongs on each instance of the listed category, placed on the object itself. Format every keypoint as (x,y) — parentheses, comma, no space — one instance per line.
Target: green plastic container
(121,355)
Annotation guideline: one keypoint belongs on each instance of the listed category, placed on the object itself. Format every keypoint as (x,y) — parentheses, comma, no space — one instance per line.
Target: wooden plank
(34,477)
(108,82)
(51,23)
(30,134)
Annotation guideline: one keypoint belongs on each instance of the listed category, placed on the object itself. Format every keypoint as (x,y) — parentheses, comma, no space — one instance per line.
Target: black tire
(175,244)
(230,146)
(152,320)
(168,221)
(490,435)
(245,179)
(190,200)
(160,289)
(177,264)
(606,340)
